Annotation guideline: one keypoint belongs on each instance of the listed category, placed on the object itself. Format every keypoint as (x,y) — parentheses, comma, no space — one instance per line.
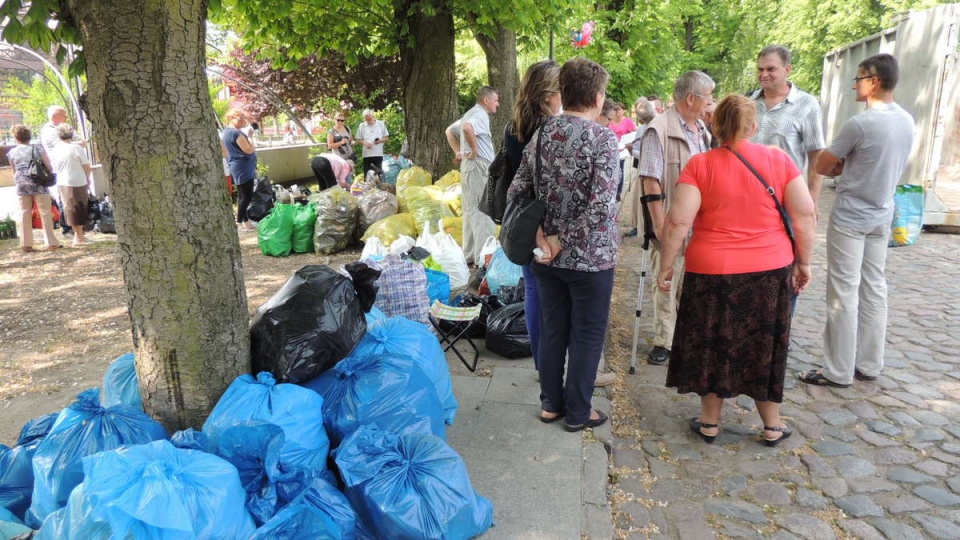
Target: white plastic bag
(402,245)
(489,248)
(374,250)
(450,257)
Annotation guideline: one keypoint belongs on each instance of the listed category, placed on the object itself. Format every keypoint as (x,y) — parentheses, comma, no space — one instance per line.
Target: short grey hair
(65,132)
(779,50)
(692,82)
(645,110)
(367,112)
(53,110)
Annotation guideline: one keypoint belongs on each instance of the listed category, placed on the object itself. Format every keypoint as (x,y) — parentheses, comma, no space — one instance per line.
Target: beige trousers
(664,303)
(26,219)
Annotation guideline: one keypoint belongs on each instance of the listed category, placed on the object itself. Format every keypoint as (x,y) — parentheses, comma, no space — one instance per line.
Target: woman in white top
(72,167)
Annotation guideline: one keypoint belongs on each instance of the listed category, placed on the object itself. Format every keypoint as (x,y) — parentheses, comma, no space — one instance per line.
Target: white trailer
(925,44)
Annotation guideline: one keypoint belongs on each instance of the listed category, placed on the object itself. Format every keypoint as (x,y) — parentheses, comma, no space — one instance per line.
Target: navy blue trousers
(574,310)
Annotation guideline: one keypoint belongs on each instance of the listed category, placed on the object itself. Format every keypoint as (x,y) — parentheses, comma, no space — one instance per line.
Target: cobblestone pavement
(876,460)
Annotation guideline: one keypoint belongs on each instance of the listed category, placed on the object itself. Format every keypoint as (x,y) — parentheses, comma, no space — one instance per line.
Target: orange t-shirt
(738,229)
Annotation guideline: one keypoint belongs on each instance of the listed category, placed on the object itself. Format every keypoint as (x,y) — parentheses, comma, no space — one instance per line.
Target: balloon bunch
(581,38)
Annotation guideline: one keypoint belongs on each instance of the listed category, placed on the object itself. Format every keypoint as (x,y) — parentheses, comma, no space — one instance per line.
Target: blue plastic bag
(907,215)
(157,491)
(120,386)
(374,315)
(36,429)
(11,526)
(502,272)
(16,466)
(410,486)
(295,409)
(438,286)
(389,391)
(254,449)
(75,521)
(319,513)
(82,429)
(398,336)
(191,439)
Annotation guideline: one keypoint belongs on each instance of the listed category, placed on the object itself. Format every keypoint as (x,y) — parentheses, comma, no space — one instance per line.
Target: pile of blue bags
(357,452)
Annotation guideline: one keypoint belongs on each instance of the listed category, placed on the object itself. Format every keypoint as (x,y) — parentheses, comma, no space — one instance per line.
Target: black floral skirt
(732,334)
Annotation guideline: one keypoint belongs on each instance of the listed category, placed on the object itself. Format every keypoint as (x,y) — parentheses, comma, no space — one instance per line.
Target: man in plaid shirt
(787,116)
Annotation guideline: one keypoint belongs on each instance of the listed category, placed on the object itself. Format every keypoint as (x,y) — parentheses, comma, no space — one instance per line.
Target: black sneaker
(658,356)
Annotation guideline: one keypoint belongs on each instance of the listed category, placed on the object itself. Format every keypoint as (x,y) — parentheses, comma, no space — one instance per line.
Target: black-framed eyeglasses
(858,79)
(339,119)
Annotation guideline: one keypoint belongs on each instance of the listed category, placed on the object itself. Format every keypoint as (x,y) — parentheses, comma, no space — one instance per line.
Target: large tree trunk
(429,86)
(151,110)
(501,53)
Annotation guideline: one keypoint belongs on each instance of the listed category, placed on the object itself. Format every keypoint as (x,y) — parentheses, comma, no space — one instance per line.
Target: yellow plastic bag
(414,176)
(449,179)
(390,228)
(454,198)
(454,227)
(427,205)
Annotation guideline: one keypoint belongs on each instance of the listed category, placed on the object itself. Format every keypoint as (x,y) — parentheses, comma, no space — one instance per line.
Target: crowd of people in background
(730,191)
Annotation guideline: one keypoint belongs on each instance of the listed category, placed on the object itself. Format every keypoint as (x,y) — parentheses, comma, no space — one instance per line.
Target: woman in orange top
(733,322)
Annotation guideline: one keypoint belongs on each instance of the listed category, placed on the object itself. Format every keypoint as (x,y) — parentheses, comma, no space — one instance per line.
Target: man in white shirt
(372,133)
(476,149)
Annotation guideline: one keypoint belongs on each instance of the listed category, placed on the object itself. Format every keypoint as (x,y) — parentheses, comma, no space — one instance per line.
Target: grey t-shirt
(480,120)
(876,144)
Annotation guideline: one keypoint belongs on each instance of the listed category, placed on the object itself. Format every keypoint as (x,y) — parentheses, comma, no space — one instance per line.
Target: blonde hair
(734,117)
(237,114)
(530,108)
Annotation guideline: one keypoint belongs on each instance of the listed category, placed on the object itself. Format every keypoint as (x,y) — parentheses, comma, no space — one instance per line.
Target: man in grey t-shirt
(870,153)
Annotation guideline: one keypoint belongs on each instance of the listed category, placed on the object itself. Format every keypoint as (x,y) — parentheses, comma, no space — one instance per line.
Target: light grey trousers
(855,333)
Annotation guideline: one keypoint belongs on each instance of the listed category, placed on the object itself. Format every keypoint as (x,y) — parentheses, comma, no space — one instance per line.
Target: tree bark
(429,85)
(501,54)
(149,105)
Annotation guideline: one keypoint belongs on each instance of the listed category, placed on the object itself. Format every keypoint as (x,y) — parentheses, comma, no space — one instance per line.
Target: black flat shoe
(817,378)
(550,420)
(695,426)
(590,423)
(861,376)
(785,433)
(658,356)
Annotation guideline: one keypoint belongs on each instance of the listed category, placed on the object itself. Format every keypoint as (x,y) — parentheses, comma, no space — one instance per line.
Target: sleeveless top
(243,166)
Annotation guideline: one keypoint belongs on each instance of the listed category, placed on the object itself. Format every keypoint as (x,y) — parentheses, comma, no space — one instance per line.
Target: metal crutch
(648,235)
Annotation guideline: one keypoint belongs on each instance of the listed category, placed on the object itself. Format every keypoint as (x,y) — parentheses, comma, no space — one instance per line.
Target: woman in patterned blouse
(579,240)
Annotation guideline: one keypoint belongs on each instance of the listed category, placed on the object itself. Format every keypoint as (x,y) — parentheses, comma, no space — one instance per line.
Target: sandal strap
(768,428)
(708,426)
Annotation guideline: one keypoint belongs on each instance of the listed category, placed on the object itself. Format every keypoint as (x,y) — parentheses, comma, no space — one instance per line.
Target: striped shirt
(795,125)
(651,154)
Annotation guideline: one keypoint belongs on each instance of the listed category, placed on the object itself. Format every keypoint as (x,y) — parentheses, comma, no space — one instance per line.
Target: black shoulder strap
(772,192)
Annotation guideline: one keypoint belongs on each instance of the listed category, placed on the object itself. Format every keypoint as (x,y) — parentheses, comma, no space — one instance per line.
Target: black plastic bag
(512,295)
(364,283)
(306,327)
(107,223)
(263,198)
(507,332)
(479,329)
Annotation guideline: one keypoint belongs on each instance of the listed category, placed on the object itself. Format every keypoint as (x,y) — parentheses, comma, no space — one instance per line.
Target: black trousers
(323,172)
(244,196)
(370,162)
(574,309)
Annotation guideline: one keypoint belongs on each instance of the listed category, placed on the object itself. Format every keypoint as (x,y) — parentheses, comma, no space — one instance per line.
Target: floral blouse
(580,172)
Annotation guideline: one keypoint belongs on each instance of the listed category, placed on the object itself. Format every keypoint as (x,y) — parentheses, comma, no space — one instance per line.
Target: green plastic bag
(274,232)
(303,222)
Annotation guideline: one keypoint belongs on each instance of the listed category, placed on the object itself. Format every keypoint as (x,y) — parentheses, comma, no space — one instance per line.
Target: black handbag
(38,172)
(499,175)
(787,222)
(521,218)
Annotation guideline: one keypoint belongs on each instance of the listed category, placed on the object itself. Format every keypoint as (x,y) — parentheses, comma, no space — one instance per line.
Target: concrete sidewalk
(545,483)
